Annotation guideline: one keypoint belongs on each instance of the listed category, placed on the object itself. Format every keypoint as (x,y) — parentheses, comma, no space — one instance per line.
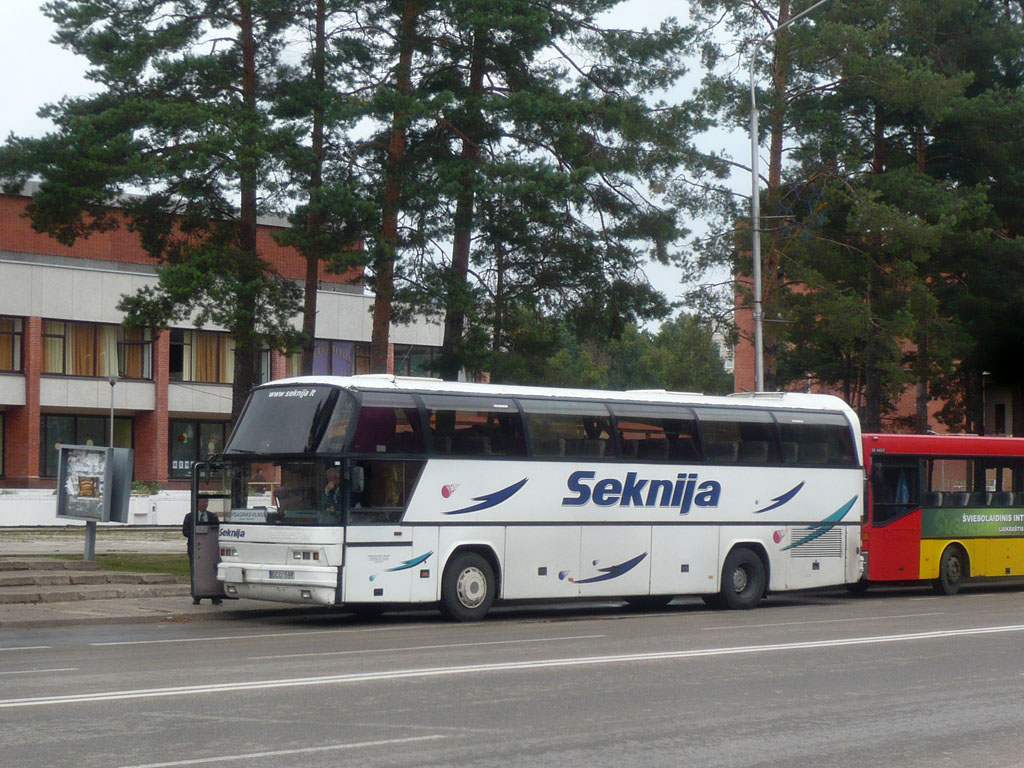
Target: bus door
(204,545)
(894,533)
(381,556)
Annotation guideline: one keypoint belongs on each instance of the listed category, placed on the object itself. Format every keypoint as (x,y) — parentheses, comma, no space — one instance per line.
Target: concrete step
(44,580)
(60,594)
(45,564)
(59,578)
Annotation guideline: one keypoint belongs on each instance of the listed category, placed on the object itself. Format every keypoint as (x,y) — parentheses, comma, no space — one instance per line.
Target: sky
(38,72)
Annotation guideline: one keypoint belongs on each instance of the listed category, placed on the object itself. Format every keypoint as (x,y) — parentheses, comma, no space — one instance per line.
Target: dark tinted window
(388,423)
(652,433)
(281,420)
(814,438)
(738,436)
(475,426)
(581,430)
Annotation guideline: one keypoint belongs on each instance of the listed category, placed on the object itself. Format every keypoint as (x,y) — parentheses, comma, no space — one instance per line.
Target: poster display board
(94,483)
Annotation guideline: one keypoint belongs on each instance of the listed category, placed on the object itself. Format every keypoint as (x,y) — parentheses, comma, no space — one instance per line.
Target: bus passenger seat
(724,452)
(592,446)
(1002,499)
(814,453)
(981,499)
(931,499)
(753,452)
(652,450)
(790,452)
(958,498)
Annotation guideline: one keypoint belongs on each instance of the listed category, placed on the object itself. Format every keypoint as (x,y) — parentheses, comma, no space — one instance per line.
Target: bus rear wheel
(467,587)
(952,571)
(743,579)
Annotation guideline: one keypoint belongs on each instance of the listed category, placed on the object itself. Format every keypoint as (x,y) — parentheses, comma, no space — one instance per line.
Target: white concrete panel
(16,289)
(199,398)
(86,295)
(61,392)
(53,289)
(12,389)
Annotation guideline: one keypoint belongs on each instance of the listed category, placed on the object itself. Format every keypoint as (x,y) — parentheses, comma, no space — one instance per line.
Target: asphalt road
(896,678)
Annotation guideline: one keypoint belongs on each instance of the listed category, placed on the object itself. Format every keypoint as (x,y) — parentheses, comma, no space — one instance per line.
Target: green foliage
(892,240)
(681,357)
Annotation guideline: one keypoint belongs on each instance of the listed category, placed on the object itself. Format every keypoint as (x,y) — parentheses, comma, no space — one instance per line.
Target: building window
(201,356)
(193,441)
(334,358)
(413,360)
(91,349)
(65,429)
(11,335)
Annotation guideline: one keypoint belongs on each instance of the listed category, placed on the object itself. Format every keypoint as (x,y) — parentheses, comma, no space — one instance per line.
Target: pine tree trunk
(384,259)
(458,273)
(249,272)
(314,222)
(771,260)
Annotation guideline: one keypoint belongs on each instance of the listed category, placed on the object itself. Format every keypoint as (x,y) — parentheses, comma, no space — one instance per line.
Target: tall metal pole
(112,381)
(755,203)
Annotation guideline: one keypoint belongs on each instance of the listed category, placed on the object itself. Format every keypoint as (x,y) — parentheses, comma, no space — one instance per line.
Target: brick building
(61,345)
(999,401)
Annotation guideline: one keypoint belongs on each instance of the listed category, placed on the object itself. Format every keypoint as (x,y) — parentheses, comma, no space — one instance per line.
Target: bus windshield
(289,420)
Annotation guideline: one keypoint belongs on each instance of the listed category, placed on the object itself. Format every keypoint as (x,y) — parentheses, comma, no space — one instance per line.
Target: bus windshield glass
(282,420)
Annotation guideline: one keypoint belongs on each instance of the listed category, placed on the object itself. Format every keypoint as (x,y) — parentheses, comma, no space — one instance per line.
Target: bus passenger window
(896,492)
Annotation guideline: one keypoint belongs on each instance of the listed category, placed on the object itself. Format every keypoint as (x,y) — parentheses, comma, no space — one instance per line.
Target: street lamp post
(755,203)
(90,525)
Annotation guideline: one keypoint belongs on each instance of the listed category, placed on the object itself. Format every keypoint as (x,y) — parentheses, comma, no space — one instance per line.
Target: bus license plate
(282,574)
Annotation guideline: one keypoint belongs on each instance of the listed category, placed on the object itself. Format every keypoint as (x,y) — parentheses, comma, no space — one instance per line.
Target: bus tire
(743,579)
(467,587)
(953,569)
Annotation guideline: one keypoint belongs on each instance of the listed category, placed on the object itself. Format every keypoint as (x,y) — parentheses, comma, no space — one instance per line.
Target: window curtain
(227,358)
(138,353)
(81,350)
(7,344)
(53,346)
(204,356)
(107,350)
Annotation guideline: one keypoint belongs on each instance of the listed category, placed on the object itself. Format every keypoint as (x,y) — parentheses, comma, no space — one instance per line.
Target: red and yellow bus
(943,508)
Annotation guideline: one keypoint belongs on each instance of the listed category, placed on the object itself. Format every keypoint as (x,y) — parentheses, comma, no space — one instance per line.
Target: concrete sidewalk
(62,542)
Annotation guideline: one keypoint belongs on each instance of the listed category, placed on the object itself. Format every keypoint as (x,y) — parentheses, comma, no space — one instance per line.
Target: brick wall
(123,246)
(21,441)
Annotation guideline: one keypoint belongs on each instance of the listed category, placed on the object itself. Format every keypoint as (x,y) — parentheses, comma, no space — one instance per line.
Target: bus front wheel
(743,579)
(952,571)
(467,587)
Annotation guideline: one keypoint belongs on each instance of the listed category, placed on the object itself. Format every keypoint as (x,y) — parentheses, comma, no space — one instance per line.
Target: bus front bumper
(316,585)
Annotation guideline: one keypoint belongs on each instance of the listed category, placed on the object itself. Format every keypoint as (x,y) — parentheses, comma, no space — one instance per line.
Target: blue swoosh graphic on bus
(612,571)
(405,565)
(410,563)
(780,500)
(825,525)
(491,499)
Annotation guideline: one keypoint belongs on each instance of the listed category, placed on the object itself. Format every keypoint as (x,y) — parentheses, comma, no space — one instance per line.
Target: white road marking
(424,672)
(39,671)
(260,636)
(824,621)
(286,752)
(28,648)
(379,651)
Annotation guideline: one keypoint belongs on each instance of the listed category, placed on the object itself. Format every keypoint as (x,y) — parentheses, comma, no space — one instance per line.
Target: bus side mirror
(357,479)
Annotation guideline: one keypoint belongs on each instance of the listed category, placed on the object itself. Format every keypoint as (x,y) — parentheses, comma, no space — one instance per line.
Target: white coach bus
(374,491)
